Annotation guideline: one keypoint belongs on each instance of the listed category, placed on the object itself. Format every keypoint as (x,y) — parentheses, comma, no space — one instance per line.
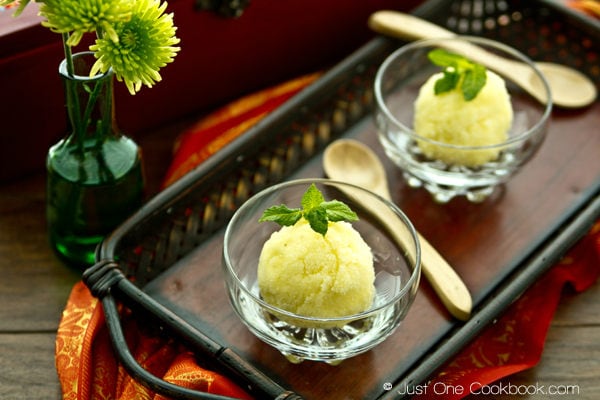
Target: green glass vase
(94,174)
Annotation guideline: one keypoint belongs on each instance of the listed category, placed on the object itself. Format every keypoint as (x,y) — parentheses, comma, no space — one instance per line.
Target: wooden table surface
(34,286)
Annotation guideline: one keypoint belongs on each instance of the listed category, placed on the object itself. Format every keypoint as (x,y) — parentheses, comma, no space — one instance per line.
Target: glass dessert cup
(397,85)
(396,256)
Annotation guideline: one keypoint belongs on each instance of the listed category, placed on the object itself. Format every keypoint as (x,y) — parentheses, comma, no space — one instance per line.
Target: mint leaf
(338,211)
(317,218)
(443,58)
(446,83)
(312,198)
(315,210)
(458,71)
(473,81)
(281,214)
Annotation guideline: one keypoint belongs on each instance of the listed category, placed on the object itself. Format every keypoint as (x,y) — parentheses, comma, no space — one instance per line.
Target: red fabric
(87,368)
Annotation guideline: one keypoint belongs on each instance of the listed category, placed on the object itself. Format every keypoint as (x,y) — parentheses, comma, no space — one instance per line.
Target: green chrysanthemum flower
(77,17)
(146,44)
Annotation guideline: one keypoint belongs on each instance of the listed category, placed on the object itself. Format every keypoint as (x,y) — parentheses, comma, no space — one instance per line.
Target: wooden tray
(171,249)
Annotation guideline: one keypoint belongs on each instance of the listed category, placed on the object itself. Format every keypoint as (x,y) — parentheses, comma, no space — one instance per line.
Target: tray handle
(105,280)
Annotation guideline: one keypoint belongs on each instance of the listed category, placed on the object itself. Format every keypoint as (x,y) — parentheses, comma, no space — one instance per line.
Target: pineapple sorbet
(450,119)
(316,275)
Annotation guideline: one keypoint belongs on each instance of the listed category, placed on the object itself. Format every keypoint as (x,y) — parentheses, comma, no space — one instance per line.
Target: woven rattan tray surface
(171,249)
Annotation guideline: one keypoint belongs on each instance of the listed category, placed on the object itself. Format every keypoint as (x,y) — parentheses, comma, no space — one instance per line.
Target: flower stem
(68,55)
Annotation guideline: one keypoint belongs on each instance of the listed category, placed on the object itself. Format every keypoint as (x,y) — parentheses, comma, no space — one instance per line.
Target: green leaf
(473,81)
(458,71)
(281,214)
(317,218)
(446,83)
(315,210)
(312,198)
(338,211)
(443,58)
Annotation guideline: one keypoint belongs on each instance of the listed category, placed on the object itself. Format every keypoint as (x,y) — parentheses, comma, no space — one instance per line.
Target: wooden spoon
(350,161)
(569,88)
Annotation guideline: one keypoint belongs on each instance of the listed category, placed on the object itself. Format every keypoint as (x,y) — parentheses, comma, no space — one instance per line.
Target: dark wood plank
(34,284)
(27,367)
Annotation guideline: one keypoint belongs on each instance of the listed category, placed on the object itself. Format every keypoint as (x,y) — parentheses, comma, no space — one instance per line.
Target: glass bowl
(396,255)
(423,157)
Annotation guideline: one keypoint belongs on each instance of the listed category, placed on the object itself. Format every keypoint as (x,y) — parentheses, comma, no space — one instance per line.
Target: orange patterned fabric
(88,370)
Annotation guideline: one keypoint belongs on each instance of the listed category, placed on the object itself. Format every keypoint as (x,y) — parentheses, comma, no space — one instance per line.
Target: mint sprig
(458,71)
(315,210)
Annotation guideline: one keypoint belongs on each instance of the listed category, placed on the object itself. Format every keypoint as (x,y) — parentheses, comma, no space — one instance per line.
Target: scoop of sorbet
(306,273)
(450,119)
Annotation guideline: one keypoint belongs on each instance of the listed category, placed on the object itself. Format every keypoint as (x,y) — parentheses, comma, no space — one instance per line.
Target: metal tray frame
(184,215)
